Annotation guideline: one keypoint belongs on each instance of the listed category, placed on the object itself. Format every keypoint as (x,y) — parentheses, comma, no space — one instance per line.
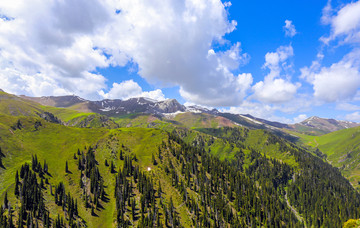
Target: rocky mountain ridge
(171,107)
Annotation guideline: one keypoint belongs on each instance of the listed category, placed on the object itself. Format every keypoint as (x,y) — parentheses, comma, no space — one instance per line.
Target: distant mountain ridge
(112,107)
(315,125)
(171,107)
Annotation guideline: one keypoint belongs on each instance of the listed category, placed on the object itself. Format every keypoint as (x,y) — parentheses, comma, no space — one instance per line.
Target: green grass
(17,106)
(66,114)
(342,149)
(201,120)
(57,144)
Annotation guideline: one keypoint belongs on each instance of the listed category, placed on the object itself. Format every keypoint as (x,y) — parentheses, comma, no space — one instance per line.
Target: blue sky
(277,60)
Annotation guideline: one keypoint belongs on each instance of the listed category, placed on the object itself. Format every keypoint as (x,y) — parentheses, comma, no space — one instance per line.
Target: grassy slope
(259,141)
(342,149)
(57,143)
(139,120)
(308,130)
(65,114)
(16,106)
(201,120)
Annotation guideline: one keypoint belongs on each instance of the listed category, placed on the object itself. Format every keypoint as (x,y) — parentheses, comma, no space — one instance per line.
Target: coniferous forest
(250,190)
(165,175)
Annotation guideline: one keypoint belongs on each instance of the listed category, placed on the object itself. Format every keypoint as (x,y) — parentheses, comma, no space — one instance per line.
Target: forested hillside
(161,175)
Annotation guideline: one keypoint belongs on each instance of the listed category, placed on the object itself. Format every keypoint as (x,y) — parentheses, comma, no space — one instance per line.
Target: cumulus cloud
(345,23)
(275,88)
(289,28)
(301,103)
(347,107)
(47,43)
(355,116)
(275,91)
(66,42)
(129,89)
(256,109)
(299,118)
(253,108)
(181,56)
(338,82)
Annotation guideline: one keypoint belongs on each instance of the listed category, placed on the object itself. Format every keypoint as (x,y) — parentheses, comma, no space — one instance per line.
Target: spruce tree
(112,167)
(17,183)
(66,167)
(6,201)
(121,155)
(154,160)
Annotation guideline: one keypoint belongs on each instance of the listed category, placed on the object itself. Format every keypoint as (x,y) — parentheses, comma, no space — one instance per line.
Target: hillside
(168,162)
(341,149)
(18,106)
(184,170)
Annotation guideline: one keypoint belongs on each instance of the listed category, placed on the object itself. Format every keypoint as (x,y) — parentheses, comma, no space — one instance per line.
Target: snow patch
(252,120)
(173,114)
(150,99)
(107,109)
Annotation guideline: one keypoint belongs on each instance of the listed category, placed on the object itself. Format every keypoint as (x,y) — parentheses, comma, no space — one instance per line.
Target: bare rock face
(169,106)
(112,107)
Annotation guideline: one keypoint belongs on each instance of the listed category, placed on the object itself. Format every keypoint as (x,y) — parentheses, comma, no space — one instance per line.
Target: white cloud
(289,28)
(355,116)
(345,24)
(300,118)
(66,40)
(327,12)
(347,107)
(253,108)
(129,89)
(347,19)
(275,91)
(338,82)
(258,110)
(274,88)
(47,43)
(155,95)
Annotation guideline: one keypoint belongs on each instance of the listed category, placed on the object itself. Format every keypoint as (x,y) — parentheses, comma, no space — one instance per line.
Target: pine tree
(17,184)
(121,155)
(6,201)
(45,167)
(112,167)
(66,167)
(154,160)
(92,210)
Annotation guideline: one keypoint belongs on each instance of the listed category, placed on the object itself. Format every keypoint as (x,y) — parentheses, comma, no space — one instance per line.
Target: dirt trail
(298,216)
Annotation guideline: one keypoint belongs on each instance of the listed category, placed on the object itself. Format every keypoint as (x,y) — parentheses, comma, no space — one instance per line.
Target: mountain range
(69,162)
(171,107)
